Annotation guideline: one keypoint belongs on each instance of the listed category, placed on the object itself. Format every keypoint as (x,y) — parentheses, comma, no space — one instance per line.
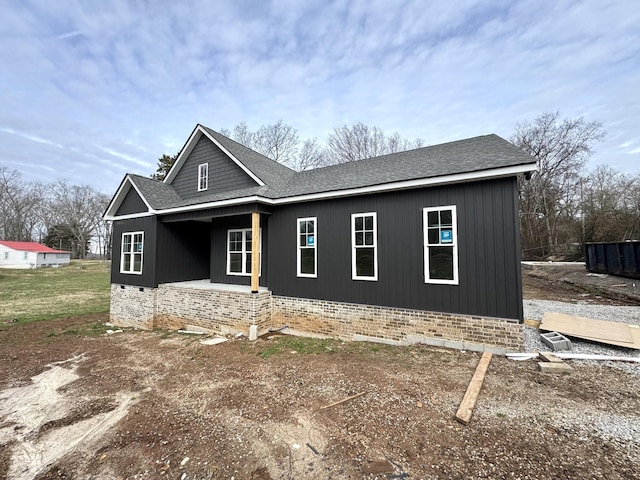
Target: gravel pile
(535,309)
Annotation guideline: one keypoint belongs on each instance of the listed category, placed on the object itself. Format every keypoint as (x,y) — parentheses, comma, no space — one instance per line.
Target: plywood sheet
(612,333)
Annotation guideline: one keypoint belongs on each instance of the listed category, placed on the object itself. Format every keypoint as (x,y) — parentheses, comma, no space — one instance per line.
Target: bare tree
(311,155)
(610,206)
(561,148)
(278,142)
(359,141)
(79,209)
(20,204)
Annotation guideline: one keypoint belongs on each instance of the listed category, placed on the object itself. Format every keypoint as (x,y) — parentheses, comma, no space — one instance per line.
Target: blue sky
(92,90)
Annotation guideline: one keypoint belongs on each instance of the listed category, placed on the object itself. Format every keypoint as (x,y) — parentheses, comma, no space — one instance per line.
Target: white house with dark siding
(415,246)
(31,255)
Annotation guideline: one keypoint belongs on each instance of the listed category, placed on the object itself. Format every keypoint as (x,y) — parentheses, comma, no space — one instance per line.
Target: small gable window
(203,177)
(440,245)
(364,255)
(307,247)
(131,252)
(239,251)
(6,255)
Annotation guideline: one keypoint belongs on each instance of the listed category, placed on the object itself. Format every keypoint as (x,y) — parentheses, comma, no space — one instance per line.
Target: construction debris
(611,333)
(573,356)
(213,341)
(463,415)
(343,400)
(553,367)
(555,341)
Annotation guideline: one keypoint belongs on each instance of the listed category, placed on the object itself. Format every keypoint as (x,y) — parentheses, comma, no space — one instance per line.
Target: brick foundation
(396,326)
(176,306)
(132,306)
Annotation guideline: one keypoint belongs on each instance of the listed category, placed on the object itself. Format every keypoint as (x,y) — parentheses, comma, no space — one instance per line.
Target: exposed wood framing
(255,251)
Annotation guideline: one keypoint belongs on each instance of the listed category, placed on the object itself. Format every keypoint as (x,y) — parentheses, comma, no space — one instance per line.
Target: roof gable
(132,203)
(473,159)
(223,174)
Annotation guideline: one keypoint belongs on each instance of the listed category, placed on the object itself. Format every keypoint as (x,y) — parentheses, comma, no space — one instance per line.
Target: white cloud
(116,84)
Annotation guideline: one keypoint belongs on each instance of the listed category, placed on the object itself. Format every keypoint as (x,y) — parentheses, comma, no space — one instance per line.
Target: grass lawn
(33,295)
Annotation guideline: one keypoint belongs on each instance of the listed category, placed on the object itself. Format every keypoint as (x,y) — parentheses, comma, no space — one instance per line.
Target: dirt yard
(147,405)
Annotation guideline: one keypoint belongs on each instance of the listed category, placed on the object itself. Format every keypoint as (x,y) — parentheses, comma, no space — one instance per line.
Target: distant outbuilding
(31,255)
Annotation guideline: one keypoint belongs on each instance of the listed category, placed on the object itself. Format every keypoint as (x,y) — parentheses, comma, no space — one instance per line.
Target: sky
(91,90)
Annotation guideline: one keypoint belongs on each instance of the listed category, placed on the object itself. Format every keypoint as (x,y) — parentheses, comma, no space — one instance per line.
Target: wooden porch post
(255,251)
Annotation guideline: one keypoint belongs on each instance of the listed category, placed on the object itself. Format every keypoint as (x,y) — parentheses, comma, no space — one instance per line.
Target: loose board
(612,333)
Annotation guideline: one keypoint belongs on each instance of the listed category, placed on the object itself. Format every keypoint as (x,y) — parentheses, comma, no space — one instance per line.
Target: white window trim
(131,272)
(315,247)
(454,228)
(244,252)
(375,246)
(203,177)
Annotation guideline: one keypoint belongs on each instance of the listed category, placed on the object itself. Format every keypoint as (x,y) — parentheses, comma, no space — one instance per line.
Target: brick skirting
(221,311)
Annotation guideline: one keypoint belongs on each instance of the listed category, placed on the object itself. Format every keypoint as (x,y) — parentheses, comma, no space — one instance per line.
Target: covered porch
(225,246)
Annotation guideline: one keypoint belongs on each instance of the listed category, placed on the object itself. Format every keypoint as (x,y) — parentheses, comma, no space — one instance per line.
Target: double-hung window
(203,177)
(239,251)
(307,247)
(440,245)
(364,249)
(131,252)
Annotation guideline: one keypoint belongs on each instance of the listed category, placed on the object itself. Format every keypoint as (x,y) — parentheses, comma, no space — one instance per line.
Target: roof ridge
(211,130)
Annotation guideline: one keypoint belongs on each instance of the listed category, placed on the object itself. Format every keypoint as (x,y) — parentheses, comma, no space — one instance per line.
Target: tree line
(59,215)
(562,204)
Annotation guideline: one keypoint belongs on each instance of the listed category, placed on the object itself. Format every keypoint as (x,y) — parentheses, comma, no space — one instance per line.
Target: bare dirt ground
(147,405)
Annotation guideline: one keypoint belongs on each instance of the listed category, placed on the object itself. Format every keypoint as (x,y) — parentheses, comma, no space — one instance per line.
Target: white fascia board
(232,157)
(130,215)
(221,203)
(184,153)
(422,182)
(119,197)
(403,185)
(189,146)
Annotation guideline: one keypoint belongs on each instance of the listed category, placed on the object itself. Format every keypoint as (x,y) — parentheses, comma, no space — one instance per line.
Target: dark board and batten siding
(132,203)
(224,174)
(147,225)
(172,253)
(183,251)
(488,250)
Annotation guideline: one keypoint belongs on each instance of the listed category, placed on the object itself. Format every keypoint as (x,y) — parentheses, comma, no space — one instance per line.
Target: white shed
(31,255)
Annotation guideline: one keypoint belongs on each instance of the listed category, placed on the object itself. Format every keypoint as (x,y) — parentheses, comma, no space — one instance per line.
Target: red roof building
(31,255)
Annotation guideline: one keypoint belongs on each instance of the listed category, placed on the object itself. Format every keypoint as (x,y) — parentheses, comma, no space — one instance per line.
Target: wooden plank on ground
(612,333)
(554,367)
(463,415)
(550,357)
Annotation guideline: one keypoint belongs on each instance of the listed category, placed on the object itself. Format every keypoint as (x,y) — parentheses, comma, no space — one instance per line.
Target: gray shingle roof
(269,171)
(158,194)
(463,156)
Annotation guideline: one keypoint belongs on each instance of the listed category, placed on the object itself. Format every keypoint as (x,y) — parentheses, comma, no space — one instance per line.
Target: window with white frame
(25,256)
(203,177)
(440,245)
(307,247)
(364,253)
(239,251)
(6,255)
(131,252)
